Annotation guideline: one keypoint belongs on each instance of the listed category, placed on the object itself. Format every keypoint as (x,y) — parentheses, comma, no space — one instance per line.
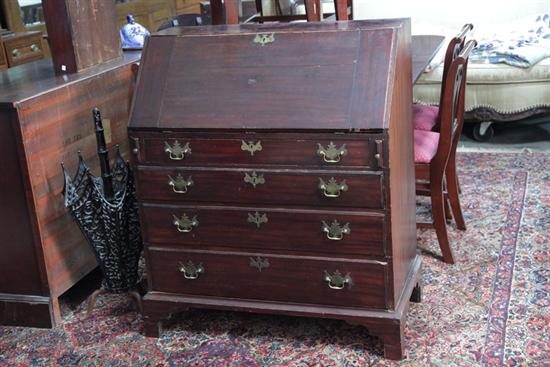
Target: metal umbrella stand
(106,210)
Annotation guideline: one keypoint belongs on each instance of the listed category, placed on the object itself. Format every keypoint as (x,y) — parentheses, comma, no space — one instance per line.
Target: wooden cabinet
(188,6)
(45,120)
(22,48)
(274,167)
(3,58)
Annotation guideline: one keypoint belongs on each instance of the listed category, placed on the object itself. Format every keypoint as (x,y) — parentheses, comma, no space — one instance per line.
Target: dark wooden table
(46,119)
(424,48)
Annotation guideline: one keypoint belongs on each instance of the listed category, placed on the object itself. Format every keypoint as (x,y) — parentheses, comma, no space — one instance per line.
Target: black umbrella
(106,211)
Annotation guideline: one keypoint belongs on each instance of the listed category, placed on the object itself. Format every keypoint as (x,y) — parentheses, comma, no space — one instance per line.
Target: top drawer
(322,150)
(23,48)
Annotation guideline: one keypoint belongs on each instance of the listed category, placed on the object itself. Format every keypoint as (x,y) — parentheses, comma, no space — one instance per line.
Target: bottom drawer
(269,277)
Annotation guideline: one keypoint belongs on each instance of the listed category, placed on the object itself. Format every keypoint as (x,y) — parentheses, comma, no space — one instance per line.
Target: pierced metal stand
(134,295)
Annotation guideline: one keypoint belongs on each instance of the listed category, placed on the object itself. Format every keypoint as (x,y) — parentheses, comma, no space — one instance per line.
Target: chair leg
(453,190)
(440,225)
(448,215)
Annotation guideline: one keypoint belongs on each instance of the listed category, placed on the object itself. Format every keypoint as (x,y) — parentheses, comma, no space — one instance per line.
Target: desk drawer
(269,277)
(260,229)
(23,48)
(326,150)
(280,187)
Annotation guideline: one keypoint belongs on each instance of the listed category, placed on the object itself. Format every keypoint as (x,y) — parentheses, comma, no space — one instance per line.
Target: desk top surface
(32,79)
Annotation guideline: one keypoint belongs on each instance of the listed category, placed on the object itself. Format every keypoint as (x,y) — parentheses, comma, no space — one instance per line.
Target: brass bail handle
(332,189)
(190,270)
(180,185)
(338,281)
(334,231)
(184,224)
(176,151)
(331,154)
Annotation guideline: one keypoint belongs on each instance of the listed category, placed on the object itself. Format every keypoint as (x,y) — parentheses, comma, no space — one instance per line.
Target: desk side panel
(55,126)
(19,268)
(401,153)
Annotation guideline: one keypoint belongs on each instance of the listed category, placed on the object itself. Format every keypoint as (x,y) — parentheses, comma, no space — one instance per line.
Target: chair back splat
(452,106)
(453,49)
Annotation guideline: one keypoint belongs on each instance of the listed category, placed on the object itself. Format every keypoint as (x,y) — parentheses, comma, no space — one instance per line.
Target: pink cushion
(424,117)
(425,145)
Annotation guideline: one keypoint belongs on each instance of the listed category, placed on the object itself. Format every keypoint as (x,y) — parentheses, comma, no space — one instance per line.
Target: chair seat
(425,145)
(424,117)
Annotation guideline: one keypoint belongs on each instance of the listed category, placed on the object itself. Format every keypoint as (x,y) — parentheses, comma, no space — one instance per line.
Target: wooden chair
(433,149)
(313,12)
(182,20)
(428,118)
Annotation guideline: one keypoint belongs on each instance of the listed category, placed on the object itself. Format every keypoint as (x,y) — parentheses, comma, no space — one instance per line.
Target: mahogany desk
(45,119)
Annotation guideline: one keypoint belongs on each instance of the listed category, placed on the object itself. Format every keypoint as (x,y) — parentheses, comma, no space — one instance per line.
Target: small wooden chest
(275,174)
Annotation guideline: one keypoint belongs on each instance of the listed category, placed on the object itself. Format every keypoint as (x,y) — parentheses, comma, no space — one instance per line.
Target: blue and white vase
(133,34)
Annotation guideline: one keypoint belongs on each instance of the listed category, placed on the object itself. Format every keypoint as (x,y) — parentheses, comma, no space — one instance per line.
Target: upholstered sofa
(508,73)
(494,93)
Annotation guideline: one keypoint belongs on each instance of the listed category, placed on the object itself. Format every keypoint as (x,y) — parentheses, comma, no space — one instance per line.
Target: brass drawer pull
(334,231)
(254,179)
(191,271)
(179,184)
(264,38)
(251,146)
(177,152)
(16,52)
(34,48)
(184,224)
(257,218)
(331,154)
(337,280)
(332,189)
(259,263)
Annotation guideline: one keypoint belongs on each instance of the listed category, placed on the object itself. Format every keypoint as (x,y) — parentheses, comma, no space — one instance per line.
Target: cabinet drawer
(269,277)
(260,229)
(281,187)
(242,149)
(23,48)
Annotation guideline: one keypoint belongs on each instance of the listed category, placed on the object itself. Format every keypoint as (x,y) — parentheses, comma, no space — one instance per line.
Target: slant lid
(302,76)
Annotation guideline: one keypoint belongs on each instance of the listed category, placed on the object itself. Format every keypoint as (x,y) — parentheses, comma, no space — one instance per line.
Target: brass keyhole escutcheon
(259,263)
(251,147)
(257,218)
(264,38)
(254,178)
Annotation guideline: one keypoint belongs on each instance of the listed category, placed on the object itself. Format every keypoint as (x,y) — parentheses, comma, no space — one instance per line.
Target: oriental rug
(489,309)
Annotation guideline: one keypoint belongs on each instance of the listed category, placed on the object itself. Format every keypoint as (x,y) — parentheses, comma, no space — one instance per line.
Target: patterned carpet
(490,309)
